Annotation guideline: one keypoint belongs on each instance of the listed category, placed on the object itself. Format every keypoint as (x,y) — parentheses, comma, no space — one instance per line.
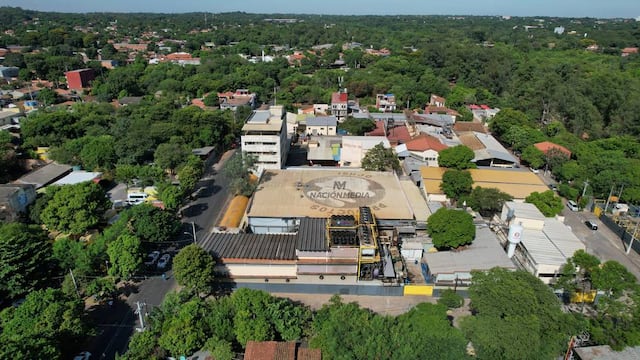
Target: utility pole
(606,205)
(75,284)
(633,238)
(584,189)
(139,307)
(193,229)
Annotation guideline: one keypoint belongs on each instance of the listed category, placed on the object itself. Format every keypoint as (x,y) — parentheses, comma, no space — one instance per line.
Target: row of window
(259,143)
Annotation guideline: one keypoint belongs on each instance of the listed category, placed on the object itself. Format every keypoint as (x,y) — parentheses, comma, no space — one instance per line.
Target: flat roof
(320,193)
(45,175)
(416,200)
(322,121)
(605,352)
(76,177)
(262,120)
(515,182)
(525,210)
(484,253)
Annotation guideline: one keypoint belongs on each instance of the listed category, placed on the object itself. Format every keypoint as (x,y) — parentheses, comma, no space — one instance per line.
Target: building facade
(264,136)
(79,79)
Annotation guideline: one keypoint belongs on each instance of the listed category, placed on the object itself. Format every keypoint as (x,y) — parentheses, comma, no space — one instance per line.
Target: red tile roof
(464,126)
(425,142)
(546,146)
(396,135)
(339,97)
(274,350)
(378,131)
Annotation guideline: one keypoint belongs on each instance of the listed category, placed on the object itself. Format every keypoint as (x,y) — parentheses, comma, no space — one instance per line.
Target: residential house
(395,131)
(322,125)
(79,79)
(547,146)
(9,73)
(339,105)
(386,102)
(14,200)
(233,100)
(264,136)
(425,148)
(437,101)
(482,112)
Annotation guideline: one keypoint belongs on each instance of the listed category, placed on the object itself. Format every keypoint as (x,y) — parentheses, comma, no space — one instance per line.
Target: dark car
(591,224)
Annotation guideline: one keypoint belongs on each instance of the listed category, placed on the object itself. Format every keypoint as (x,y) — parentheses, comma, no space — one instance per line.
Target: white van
(572,205)
(135,198)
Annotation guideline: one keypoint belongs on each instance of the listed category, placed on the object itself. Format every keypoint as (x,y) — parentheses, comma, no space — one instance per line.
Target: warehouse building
(546,243)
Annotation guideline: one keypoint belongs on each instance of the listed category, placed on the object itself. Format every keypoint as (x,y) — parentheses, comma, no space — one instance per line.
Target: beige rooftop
(322,193)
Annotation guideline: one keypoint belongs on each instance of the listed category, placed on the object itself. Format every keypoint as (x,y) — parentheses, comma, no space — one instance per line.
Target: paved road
(603,243)
(116,323)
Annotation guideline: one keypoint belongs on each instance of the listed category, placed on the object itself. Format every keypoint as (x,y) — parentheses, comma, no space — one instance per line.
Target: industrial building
(543,245)
(515,182)
(317,225)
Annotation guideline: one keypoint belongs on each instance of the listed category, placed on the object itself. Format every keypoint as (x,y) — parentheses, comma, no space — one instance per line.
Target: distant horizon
(611,9)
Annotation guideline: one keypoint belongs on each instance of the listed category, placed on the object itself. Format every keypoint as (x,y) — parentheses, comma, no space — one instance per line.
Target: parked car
(152,258)
(164,261)
(196,194)
(85,355)
(535,171)
(591,224)
(572,205)
(553,187)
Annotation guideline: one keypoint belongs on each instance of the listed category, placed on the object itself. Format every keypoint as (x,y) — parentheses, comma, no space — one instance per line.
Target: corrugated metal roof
(251,246)
(312,235)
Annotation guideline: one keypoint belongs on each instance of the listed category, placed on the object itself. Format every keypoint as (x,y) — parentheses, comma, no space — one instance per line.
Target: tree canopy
(76,208)
(547,202)
(456,183)
(380,158)
(457,157)
(193,268)
(451,228)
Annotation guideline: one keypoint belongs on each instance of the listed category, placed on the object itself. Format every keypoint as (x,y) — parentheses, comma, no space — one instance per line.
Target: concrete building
(386,102)
(546,243)
(233,100)
(354,148)
(79,79)
(14,200)
(322,125)
(264,136)
(339,105)
(453,268)
(45,175)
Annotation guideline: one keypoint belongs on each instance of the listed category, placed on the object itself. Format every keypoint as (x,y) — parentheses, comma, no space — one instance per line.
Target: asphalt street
(117,322)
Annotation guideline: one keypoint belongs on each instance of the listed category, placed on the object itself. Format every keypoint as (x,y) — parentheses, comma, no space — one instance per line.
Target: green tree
(450,228)
(189,174)
(41,326)
(25,255)
(151,224)
(183,333)
(613,278)
(456,183)
(142,346)
(251,319)
(47,97)
(380,158)
(170,155)
(533,156)
(75,208)
(547,202)
(450,299)
(193,268)
(487,201)
(457,157)
(357,127)
(515,305)
(99,153)
(238,170)
(125,256)
(220,349)
(505,119)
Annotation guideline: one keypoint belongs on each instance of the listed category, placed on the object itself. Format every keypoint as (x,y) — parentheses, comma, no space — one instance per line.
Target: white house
(322,125)
(354,148)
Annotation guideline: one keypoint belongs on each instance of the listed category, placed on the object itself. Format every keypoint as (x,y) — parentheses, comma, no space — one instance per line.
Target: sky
(561,8)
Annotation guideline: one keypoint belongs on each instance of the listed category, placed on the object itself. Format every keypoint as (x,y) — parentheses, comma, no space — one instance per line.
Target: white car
(152,258)
(164,261)
(535,171)
(85,355)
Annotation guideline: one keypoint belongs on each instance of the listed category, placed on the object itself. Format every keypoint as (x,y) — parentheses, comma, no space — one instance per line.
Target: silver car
(164,261)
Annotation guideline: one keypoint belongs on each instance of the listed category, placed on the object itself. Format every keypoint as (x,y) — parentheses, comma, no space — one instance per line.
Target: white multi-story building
(264,136)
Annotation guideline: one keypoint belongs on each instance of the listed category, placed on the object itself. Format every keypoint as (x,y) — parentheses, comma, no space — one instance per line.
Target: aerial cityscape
(319,180)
